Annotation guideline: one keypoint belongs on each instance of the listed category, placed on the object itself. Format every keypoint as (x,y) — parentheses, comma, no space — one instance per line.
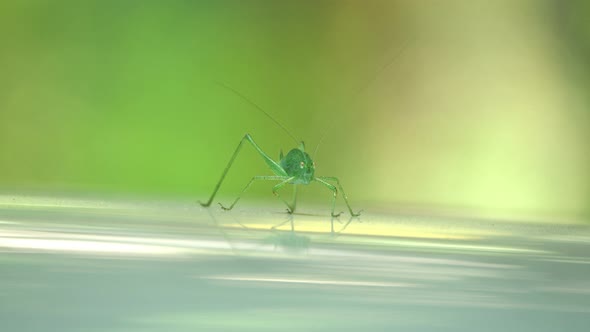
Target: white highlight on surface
(88,246)
(4,222)
(106,244)
(314,281)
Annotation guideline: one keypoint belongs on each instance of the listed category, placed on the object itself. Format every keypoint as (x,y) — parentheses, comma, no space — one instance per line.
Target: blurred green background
(484,110)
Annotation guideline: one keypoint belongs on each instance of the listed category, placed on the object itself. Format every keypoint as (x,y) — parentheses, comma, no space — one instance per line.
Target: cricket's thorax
(298,163)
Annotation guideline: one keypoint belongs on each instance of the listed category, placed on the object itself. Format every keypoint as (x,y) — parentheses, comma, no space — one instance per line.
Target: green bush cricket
(295,168)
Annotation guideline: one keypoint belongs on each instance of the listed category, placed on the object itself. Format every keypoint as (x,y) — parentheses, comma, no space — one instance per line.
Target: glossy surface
(96,265)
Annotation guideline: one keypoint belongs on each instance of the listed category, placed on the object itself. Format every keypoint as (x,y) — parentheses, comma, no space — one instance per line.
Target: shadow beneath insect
(358,217)
(284,240)
(342,229)
(290,219)
(287,240)
(293,240)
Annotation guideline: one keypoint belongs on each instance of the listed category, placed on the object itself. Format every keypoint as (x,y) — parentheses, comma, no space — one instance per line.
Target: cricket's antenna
(315,151)
(367,84)
(259,108)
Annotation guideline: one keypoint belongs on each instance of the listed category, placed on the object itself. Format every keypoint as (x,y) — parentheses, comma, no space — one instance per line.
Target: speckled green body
(298,164)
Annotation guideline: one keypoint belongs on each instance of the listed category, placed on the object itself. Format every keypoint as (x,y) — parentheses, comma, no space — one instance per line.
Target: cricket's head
(298,163)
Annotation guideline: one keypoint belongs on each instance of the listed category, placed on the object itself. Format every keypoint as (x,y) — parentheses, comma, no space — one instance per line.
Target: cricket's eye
(302,164)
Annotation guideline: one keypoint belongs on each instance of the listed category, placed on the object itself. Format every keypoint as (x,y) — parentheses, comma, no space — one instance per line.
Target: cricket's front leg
(334,192)
(290,207)
(323,180)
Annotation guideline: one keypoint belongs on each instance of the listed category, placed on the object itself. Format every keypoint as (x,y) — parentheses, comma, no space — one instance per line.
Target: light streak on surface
(313,281)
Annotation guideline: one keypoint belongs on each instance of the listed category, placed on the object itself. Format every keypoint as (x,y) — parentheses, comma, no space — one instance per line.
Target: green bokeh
(119,97)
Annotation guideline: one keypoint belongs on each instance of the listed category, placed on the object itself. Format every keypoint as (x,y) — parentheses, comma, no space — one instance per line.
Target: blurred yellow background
(467,105)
